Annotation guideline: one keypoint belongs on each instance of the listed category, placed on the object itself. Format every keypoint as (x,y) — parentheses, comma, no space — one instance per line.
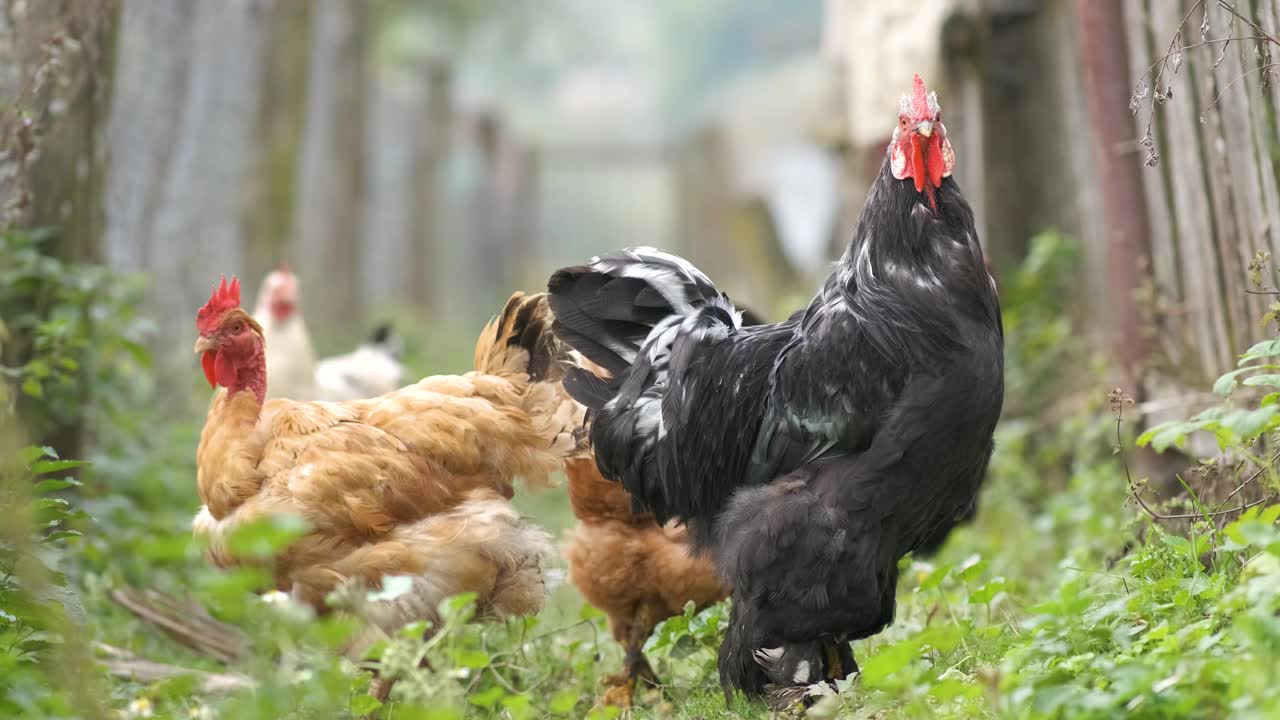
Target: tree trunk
(431,148)
(181,137)
(327,219)
(278,145)
(59,56)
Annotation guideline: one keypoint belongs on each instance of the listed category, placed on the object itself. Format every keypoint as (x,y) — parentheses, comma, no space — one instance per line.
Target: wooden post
(1124,206)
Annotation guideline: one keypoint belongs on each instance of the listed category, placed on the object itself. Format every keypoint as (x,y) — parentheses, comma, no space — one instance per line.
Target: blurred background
(416,161)
(420,160)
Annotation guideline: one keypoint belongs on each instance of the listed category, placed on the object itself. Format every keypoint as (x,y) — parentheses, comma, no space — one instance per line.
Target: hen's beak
(205,344)
(925,128)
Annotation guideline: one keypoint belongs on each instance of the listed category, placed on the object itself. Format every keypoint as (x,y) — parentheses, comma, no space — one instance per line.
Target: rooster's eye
(237,328)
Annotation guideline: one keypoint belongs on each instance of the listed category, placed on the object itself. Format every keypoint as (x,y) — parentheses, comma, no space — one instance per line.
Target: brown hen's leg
(380,687)
(635,667)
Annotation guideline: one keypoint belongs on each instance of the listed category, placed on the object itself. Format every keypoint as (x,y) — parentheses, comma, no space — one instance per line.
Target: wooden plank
(1164,238)
(1268,11)
(1236,91)
(1216,150)
(1266,118)
(1181,151)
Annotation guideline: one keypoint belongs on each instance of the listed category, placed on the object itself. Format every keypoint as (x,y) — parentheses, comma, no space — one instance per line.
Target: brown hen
(635,571)
(414,482)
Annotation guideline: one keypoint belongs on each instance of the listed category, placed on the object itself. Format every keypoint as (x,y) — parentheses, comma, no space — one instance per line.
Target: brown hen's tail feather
(519,340)
(520,346)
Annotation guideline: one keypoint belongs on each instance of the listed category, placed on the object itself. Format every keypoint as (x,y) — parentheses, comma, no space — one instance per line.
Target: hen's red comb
(223,298)
(919,99)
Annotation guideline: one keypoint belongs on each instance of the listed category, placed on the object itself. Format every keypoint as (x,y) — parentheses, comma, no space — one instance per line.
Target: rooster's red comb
(223,298)
(921,104)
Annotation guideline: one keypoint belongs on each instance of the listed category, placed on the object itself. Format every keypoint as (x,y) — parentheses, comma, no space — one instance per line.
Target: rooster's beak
(204,344)
(925,128)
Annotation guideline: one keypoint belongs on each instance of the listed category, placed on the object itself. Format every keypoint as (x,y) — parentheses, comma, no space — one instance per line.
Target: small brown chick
(637,572)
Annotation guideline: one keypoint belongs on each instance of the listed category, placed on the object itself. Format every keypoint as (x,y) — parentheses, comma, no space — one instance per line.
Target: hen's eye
(237,328)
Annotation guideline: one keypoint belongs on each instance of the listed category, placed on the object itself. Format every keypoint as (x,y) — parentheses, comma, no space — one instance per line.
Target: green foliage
(1233,424)
(39,607)
(67,331)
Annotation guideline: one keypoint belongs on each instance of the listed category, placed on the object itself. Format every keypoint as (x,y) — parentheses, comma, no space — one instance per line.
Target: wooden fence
(1212,193)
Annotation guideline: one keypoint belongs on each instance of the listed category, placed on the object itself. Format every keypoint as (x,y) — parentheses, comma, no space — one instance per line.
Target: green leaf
(1248,423)
(264,538)
(364,704)
(33,388)
(563,702)
(952,688)
(418,712)
(1227,382)
(935,578)
(30,454)
(38,369)
(519,707)
(44,467)
(50,510)
(474,659)
(1268,379)
(1266,348)
(487,698)
(51,485)
(889,661)
(1270,514)
(987,593)
(972,567)
(1165,435)
(62,535)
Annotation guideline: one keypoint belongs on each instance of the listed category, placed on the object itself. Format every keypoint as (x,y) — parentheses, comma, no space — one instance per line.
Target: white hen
(291,361)
(370,370)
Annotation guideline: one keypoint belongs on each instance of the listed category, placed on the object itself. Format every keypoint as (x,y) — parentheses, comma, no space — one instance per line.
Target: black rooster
(812,454)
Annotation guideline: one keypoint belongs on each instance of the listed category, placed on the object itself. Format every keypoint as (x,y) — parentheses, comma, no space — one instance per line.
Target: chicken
(415,482)
(371,369)
(636,571)
(810,455)
(291,361)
